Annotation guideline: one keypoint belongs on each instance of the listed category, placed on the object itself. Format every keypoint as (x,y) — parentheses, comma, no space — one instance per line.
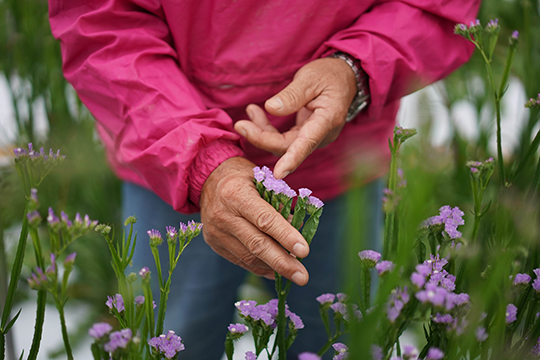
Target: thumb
(291,99)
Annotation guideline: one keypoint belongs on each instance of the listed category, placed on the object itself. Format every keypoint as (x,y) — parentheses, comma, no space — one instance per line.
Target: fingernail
(300,250)
(299,278)
(276,103)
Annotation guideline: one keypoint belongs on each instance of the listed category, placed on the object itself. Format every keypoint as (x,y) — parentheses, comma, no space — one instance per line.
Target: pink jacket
(167,79)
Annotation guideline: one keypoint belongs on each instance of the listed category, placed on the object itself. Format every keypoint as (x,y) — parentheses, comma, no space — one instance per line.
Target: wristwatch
(361,99)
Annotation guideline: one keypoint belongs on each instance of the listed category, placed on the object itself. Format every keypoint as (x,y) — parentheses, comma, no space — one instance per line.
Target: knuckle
(265,221)
(257,246)
(280,264)
(251,261)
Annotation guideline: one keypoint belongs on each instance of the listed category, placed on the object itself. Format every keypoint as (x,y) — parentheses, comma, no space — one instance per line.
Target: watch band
(361,99)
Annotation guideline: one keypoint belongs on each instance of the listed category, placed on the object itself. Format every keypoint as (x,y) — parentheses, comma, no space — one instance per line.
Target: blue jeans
(204,285)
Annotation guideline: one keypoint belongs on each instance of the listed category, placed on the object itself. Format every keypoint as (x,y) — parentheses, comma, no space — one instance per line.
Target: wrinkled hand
(320,93)
(243,228)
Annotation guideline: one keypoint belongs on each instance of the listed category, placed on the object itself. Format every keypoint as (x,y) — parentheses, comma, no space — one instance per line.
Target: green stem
(390,216)
(536,180)
(366,287)
(65,337)
(15,272)
(329,343)
(163,305)
(282,347)
(38,329)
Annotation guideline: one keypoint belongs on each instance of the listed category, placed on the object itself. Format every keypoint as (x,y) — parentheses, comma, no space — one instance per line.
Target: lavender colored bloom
(341,351)
(434,354)
(245,307)
(118,339)
(536,285)
(139,300)
(326,299)
(424,269)
(171,231)
(511,313)
(250,356)
(481,334)
(258,174)
(296,321)
(342,297)
(117,302)
(144,273)
(99,330)
(155,237)
(451,218)
(492,25)
(238,328)
(70,259)
(308,356)
(410,352)
(169,345)
(303,192)
(376,352)
(515,34)
(369,258)
(33,195)
(34,219)
(384,267)
(52,219)
(433,294)
(339,307)
(65,219)
(522,279)
(443,319)
(316,202)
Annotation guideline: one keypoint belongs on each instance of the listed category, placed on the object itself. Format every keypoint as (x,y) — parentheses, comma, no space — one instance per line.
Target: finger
(309,138)
(268,221)
(267,140)
(256,266)
(296,95)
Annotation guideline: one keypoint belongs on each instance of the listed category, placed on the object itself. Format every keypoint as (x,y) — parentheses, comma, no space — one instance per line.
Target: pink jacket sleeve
(405,45)
(117,55)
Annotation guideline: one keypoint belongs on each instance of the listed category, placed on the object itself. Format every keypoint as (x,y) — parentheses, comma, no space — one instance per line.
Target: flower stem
(65,337)
(15,274)
(282,294)
(390,216)
(38,328)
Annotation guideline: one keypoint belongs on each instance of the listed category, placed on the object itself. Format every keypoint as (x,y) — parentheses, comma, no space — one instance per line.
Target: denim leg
(204,285)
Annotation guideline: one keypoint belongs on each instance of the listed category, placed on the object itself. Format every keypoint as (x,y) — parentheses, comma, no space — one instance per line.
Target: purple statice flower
(492,25)
(155,237)
(250,355)
(171,232)
(398,299)
(326,299)
(260,312)
(308,356)
(169,345)
(117,302)
(533,103)
(33,195)
(340,308)
(315,202)
(481,334)
(99,330)
(65,219)
(258,174)
(410,352)
(34,219)
(511,313)
(245,307)
(434,354)
(296,321)
(418,280)
(515,34)
(38,279)
(424,269)
(194,227)
(462,30)
(70,259)
(453,300)
(118,339)
(369,258)
(376,352)
(341,351)
(450,218)
(536,282)
(52,219)
(443,318)
(144,273)
(535,351)
(238,328)
(433,294)
(139,300)
(384,267)
(435,263)
(522,279)
(303,192)
(51,269)
(342,297)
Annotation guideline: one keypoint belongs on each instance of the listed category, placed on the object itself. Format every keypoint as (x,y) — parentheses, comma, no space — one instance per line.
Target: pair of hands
(238,224)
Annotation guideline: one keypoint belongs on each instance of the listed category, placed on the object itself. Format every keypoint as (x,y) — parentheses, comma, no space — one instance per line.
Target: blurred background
(454,118)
